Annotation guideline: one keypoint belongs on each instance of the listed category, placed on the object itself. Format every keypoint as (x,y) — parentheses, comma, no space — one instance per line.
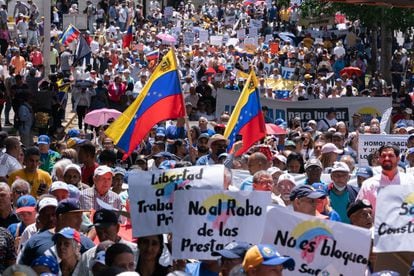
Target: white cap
(286,177)
(408,110)
(45,202)
(101,170)
(58,185)
(281,158)
(329,147)
(340,167)
(72,167)
(273,170)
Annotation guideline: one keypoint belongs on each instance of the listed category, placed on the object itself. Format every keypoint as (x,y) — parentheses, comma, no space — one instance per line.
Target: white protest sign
(256,23)
(230,20)
(189,38)
(205,221)
(394,226)
(287,72)
(315,243)
(168,11)
(203,36)
(152,194)
(216,40)
(232,41)
(268,38)
(241,34)
(368,143)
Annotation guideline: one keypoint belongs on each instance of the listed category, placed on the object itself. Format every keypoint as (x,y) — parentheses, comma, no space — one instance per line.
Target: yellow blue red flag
(160,99)
(247,117)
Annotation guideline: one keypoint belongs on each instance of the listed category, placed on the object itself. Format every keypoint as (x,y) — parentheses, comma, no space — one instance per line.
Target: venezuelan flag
(247,118)
(127,38)
(152,55)
(160,99)
(70,34)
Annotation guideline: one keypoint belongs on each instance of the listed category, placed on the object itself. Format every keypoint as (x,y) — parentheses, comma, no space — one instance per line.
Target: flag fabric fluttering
(127,38)
(82,50)
(160,99)
(152,55)
(247,117)
(70,34)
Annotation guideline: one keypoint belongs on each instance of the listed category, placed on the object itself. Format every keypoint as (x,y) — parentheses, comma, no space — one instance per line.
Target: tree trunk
(386,49)
(374,49)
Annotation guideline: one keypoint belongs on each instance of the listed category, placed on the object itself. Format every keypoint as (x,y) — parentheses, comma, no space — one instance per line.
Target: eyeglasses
(21,192)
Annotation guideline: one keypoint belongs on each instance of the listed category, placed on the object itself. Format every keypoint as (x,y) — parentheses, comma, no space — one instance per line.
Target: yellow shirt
(39,179)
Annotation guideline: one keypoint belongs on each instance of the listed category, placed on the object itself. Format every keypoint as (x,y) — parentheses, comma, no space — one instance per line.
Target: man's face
(32,162)
(314,173)
(388,160)
(285,187)
(218,147)
(228,264)
(71,219)
(18,191)
(265,183)
(108,232)
(362,218)
(266,270)
(117,181)
(125,261)
(340,178)
(47,217)
(202,123)
(305,205)
(5,199)
(44,148)
(103,183)
(60,194)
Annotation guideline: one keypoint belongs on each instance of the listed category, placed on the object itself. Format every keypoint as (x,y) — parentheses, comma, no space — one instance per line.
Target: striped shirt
(88,199)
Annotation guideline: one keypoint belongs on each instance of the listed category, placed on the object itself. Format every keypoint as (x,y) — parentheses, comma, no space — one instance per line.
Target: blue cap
(401,125)
(43,140)
(160,131)
(165,154)
(47,261)
(26,203)
(74,132)
(365,171)
(320,187)
(410,150)
(305,191)
(233,250)
(266,254)
(279,121)
(167,164)
(119,170)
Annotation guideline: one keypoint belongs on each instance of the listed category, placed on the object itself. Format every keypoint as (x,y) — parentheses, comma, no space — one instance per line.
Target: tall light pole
(46,37)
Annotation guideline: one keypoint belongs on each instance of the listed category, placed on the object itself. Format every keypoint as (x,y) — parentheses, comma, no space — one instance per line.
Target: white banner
(315,244)
(394,214)
(256,23)
(253,32)
(310,110)
(216,40)
(368,143)
(205,221)
(203,36)
(189,38)
(241,34)
(151,194)
(230,20)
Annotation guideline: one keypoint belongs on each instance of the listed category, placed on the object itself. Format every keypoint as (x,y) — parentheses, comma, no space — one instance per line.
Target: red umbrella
(210,70)
(274,129)
(351,71)
(221,69)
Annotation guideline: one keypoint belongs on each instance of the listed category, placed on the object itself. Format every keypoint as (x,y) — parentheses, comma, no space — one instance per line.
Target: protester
(231,256)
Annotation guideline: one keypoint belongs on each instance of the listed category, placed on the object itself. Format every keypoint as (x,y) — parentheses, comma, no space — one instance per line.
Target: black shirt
(11,218)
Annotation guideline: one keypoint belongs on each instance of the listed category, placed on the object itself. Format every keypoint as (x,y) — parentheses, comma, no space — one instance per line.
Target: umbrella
(166,37)
(101,116)
(351,71)
(248,2)
(258,3)
(210,70)
(274,129)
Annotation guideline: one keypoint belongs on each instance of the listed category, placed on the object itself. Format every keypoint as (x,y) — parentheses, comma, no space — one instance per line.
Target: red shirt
(115,91)
(87,174)
(36,58)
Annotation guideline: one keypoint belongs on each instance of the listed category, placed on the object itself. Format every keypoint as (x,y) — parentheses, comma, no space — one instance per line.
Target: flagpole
(187,123)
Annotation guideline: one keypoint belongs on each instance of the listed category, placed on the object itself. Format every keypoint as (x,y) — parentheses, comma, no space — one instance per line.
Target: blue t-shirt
(340,203)
(13,228)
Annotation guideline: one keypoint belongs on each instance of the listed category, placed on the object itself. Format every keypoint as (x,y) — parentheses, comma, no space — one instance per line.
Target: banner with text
(315,244)
(312,109)
(394,225)
(205,221)
(369,143)
(151,194)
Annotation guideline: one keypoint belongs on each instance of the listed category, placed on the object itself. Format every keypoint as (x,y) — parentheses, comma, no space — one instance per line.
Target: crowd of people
(57,182)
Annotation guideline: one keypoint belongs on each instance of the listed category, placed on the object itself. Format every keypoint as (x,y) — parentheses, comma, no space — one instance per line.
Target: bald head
(257,162)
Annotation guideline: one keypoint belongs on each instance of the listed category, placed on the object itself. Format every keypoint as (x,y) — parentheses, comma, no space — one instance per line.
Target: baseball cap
(233,250)
(408,110)
(68,233)
(73,192)
(305,191)
(43,140)
(204,135)
(45,202)
(58,185)
(165,154)
(329,147)
(48,261)
(320,187)
(160,131)
(72,167)
(105,217)
(358,205)
(280,157)
(340,167)
(119,170)
(74,132)
(266,254)
(273,170)
(68,205)
(313,162)
(101,170)
(216,138)
(365,171)
(290,143)
(286,177)
(26,203)
(312,122)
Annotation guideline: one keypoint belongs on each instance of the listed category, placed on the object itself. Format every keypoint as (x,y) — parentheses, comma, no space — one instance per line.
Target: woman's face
(293,166)
(149,248)
(65,248)
(332,157)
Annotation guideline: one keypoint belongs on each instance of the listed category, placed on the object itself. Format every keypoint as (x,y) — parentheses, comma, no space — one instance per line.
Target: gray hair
(260,174)
(4,186)
(61,164)
(19,182)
